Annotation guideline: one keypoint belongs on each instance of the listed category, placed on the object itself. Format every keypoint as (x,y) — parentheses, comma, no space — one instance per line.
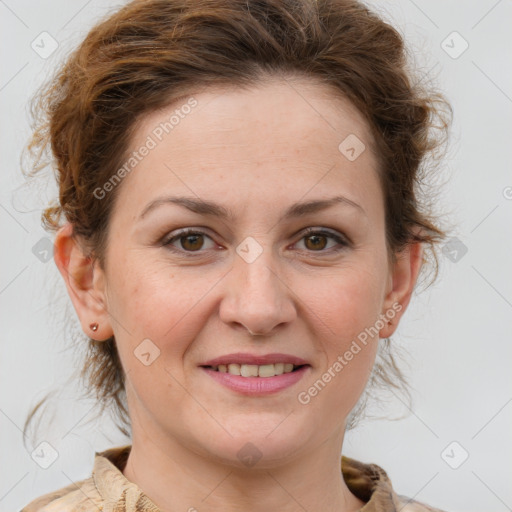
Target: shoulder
(370,483)
(79,496)
(106,485)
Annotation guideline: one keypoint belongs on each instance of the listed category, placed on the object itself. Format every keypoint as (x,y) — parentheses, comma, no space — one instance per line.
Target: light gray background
(458,332)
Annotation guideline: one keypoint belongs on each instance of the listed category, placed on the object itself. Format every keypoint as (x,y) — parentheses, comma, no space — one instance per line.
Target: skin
(255,151)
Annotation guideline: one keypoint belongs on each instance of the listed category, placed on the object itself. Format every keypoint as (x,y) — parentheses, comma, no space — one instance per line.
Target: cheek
(350,311)
(346,303)
(347,309)
(157,302)
(151,312)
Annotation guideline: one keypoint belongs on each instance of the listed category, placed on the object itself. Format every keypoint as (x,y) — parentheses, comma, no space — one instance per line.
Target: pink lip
(257,385)
(245,358)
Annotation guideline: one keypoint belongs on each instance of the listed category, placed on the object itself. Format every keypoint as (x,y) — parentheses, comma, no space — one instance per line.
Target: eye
(189,240)
(315,240)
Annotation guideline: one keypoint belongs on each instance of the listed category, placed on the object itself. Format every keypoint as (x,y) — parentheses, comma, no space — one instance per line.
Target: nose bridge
(257,298)
(260,281)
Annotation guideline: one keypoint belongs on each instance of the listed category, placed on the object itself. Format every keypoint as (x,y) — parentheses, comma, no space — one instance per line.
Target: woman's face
(176,302)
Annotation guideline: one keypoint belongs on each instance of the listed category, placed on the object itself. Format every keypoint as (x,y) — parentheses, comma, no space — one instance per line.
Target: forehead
(279,138)
(289,107)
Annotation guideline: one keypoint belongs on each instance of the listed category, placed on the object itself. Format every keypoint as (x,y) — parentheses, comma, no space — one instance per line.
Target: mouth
(254,370)
(256,380)
(256,374)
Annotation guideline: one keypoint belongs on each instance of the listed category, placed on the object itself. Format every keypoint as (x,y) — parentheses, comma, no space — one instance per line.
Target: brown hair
(151,52)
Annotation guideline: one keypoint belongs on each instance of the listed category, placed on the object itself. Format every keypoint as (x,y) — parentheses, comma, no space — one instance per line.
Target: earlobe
(401,285)
(85,283)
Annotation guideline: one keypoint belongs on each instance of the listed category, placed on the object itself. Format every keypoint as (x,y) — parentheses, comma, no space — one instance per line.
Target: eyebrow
(204,207)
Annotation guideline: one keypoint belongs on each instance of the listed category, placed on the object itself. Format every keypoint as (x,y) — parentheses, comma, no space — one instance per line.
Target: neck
(175,477)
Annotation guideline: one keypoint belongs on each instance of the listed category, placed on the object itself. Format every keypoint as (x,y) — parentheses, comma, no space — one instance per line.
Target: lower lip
(257,385)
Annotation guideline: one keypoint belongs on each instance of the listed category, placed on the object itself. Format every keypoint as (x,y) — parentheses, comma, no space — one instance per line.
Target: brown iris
(316,243)
(191,242)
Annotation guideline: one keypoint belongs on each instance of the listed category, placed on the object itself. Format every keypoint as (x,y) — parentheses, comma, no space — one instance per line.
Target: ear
(402,279)
(85,282)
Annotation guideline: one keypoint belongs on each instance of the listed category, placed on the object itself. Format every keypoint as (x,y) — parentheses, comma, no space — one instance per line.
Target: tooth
(249,370)
(234,369)
(254,370)
(279,368)
(266,370)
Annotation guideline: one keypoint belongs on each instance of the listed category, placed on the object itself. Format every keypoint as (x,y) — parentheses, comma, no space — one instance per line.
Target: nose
(257,298)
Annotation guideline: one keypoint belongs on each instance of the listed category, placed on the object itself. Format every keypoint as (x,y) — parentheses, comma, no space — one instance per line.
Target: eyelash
(343,242)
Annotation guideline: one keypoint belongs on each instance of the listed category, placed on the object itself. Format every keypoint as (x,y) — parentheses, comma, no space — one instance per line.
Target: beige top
(108,490)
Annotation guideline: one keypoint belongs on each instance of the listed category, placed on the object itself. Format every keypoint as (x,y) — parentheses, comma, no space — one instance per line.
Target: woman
(239,233)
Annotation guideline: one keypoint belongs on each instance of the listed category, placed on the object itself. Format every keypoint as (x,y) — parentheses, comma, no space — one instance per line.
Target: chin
(263,447)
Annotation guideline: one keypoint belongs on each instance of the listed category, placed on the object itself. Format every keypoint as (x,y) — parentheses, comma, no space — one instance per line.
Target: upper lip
(244,358)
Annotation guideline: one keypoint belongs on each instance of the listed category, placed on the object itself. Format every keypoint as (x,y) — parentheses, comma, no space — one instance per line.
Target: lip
(257,386)
(246,358)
